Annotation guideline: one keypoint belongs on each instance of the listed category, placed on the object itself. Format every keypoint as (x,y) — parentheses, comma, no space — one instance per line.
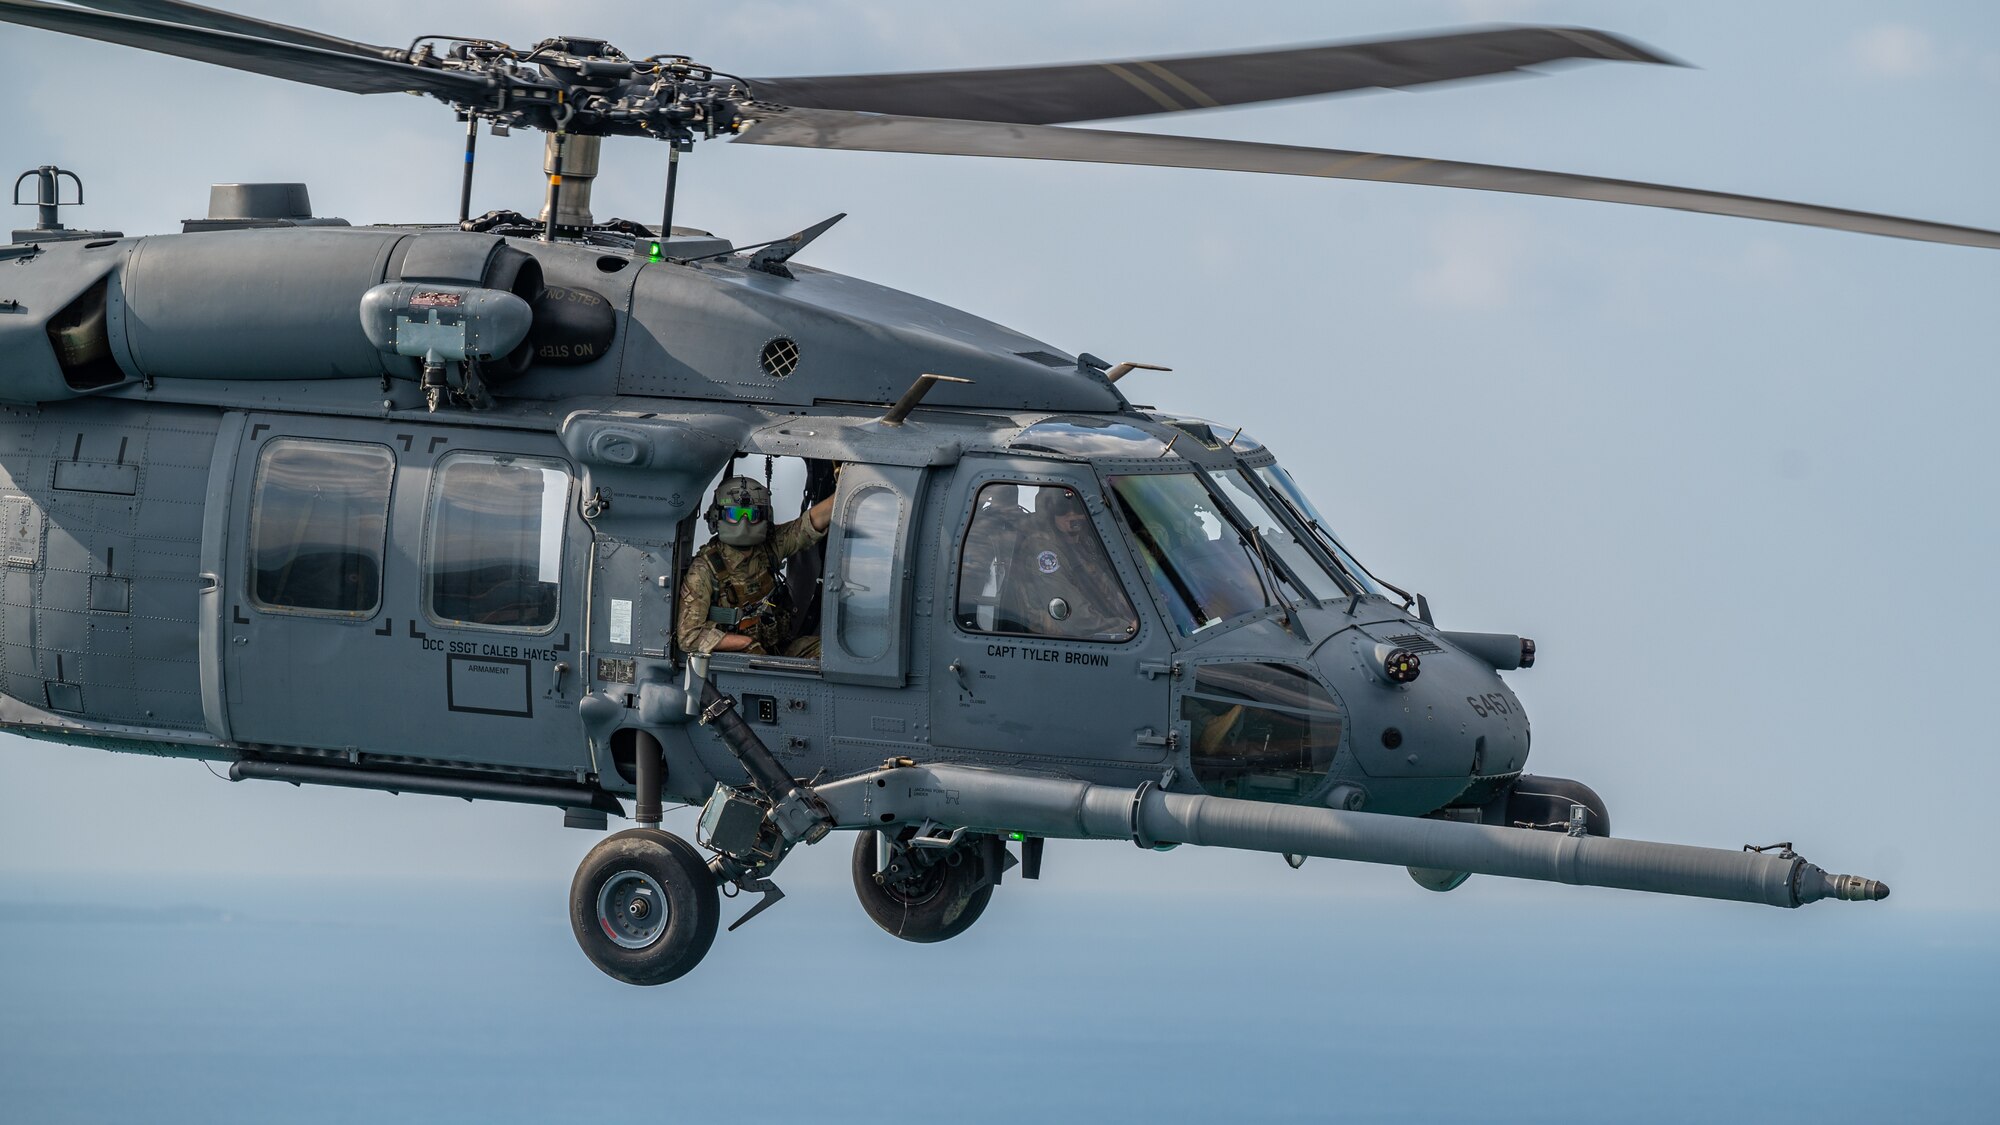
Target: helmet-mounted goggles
(746,513)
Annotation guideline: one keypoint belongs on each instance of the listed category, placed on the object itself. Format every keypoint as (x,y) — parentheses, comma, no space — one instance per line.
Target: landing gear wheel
(939,902)
(644,906)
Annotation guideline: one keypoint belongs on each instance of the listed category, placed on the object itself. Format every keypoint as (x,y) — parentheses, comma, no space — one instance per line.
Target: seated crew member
(731,599)
(997,526)
(1061,583)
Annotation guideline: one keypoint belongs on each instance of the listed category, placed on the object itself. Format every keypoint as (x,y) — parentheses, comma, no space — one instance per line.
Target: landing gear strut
(645,903)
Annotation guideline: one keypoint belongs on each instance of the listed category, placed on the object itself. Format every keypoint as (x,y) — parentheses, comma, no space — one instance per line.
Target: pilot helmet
(740,515)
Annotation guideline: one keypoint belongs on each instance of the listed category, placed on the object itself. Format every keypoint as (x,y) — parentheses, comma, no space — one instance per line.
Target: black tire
(947,900)
(614,899)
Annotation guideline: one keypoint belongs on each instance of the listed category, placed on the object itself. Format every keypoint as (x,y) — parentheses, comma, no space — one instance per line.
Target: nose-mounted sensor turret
(1401,665)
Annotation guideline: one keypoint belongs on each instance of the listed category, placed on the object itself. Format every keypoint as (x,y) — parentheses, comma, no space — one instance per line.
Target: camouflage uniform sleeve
(692,628)
(793,536)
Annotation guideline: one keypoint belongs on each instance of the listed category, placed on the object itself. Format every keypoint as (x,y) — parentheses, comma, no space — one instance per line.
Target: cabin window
(1032,564)
(867,572)
(870,554)
(493,559)
(317,522)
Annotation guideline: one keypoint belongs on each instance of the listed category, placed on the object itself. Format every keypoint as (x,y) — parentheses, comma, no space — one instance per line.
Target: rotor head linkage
(471,150)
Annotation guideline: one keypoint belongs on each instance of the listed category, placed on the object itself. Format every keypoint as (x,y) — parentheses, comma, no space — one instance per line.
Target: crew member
(1061,583)
(731,597)
(997,526)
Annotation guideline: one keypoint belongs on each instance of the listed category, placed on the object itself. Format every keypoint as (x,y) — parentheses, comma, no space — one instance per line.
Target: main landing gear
(925,889)
(644,906)
(645,903)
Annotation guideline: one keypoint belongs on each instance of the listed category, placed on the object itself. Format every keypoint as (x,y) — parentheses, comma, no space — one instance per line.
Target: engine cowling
(255,304)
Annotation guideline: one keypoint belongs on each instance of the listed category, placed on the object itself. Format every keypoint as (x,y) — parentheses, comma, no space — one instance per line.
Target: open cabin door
(868,567)
(403,590)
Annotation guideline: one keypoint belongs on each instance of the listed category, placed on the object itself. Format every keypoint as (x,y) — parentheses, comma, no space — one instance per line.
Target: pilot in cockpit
(1061,583)
(732,598)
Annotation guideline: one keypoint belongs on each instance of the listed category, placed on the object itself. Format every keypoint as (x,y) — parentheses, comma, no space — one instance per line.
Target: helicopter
(636,463)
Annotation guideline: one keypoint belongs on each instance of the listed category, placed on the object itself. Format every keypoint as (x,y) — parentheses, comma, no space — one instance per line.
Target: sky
(1733,477)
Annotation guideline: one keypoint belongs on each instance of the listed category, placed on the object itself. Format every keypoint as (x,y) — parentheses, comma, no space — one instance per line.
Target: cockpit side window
(1032,565)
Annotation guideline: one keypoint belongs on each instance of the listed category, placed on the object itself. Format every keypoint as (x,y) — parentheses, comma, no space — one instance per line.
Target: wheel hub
(632,909)
(916,883)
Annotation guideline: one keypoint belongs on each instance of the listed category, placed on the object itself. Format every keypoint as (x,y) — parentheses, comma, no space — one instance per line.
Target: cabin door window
(317,525)
(494,556)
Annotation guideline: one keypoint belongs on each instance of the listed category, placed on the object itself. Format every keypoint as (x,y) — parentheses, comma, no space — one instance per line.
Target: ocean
(329,1000)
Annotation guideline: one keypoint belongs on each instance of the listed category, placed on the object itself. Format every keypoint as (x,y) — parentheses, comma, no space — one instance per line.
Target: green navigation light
(653,253)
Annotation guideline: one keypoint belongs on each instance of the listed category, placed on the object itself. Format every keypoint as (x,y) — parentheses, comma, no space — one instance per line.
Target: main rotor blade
(215,19)
(354,73)
(1044,95)
(865,132)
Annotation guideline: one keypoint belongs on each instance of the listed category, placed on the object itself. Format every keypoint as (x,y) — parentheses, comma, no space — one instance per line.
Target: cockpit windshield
(1281,484)
(1277,538)
(1191,551)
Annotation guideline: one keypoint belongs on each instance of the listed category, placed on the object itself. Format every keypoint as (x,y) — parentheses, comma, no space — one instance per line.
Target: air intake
(779,358)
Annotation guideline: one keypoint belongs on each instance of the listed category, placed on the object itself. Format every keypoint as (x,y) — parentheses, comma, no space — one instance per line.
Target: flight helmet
(1058,503)
(740,515)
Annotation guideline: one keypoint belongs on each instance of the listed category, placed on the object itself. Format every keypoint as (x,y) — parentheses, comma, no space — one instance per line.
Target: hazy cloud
(1894,50)
(1486,11)
(1474,265)
(1762,260)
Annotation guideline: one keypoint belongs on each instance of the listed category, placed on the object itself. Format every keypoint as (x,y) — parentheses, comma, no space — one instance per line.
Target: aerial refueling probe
(1051,807)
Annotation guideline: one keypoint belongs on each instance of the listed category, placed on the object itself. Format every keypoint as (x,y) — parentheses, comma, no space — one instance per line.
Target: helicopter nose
(1420,708)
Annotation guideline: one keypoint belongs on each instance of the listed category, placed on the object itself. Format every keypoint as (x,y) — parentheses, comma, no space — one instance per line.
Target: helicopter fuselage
(171,489)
